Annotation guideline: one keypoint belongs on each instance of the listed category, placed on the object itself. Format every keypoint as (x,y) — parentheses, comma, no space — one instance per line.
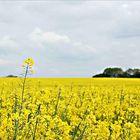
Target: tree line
(119,72)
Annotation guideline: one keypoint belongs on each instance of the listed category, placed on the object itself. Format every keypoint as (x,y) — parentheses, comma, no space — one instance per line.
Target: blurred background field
(43,82)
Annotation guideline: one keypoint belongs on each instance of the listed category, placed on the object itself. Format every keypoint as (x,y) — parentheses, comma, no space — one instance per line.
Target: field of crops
(69,109)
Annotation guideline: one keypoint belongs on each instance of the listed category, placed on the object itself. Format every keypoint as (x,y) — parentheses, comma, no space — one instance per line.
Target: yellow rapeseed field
(69,109)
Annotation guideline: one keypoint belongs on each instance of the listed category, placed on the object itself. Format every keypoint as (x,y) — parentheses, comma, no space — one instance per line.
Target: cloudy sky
(69,38)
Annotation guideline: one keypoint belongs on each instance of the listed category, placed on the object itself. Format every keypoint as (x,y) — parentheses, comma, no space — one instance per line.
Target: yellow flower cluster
(70,109)
(29,62)
(27,66)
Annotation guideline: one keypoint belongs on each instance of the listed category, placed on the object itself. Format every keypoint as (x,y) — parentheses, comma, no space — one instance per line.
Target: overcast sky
(69,38)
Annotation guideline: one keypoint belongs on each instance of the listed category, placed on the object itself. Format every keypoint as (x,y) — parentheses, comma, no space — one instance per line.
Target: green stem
(16,129)
(57,102)
(23,87)
(16,121)
(82,133)
(36,123)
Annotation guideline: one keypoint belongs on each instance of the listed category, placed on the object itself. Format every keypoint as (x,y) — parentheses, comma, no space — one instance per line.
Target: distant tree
(113,72)
(11,76)
(101,75)
(136,71)
(133,73)
(130,72)
(137,75)
(118,72)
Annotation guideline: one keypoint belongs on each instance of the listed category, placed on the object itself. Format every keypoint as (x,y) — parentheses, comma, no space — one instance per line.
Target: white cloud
(4,62)
(7,42)
(84,47)
(61,46)
(48,37)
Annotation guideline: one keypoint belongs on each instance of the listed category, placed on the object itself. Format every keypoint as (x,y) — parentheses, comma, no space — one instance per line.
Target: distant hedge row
(118,72)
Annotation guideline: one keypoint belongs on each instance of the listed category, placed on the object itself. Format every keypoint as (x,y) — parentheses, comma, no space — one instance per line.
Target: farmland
(70,109)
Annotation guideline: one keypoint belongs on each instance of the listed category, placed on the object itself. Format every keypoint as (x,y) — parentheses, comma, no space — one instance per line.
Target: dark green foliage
(118,72)
(113,72)
(12,76)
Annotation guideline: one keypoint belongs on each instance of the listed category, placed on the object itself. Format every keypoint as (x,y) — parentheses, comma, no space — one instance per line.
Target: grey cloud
(101,34)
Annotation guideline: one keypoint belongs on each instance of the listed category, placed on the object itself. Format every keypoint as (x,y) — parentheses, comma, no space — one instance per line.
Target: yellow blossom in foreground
(70,109)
